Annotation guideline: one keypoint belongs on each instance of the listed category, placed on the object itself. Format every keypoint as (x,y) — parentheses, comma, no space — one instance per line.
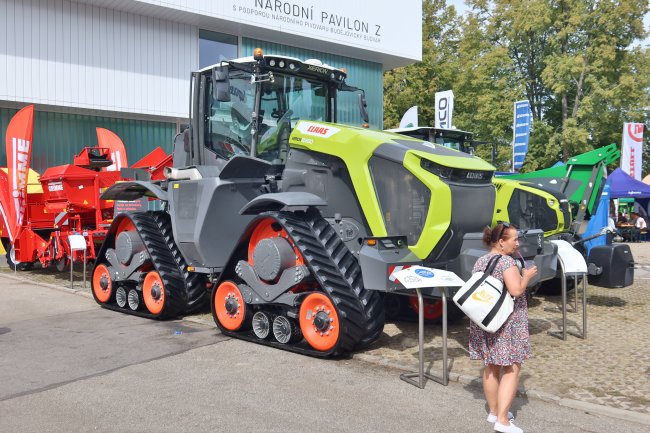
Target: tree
(581,77)
(417,84)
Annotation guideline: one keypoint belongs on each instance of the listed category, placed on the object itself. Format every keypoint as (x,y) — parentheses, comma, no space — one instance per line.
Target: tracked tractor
(288,223)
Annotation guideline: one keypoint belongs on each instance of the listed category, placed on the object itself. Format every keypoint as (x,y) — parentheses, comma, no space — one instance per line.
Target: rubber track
(154,229)
(361,311)
(196,293)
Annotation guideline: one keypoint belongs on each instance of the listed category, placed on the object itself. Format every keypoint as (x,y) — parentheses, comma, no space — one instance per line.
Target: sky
(461,8)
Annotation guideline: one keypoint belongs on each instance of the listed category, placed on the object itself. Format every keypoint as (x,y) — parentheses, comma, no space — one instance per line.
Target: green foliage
(576,61)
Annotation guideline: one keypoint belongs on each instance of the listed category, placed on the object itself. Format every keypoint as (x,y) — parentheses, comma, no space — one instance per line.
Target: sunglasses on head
(505,224)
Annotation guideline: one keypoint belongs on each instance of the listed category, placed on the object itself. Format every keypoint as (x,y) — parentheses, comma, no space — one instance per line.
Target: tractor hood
(408,187)
(362,143)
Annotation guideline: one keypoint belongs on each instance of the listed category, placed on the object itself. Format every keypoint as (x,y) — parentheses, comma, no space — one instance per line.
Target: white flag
(632,149)
(410,118)
(444,108)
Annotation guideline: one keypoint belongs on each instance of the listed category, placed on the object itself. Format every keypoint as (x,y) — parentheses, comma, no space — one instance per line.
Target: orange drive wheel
(319,321)
(102,284)
(124,225)
(432,308)
(268,228)
(153,292)
(229,306)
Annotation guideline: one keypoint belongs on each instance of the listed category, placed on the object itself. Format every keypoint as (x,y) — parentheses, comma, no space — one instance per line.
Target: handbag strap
(492,264)
(497,306)
(486,273)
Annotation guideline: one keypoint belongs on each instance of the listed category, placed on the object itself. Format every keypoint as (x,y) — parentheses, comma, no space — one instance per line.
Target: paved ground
(67,365)
(610,369)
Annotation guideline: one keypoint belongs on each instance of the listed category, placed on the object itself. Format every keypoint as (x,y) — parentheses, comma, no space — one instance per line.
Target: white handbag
(484,299)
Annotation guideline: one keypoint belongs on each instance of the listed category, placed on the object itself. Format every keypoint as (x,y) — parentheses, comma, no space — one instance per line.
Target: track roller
(285,330)
(261,324)
(120,297)
(133,299)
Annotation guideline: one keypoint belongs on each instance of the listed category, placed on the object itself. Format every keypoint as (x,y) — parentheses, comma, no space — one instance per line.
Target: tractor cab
(249,106)
(447,137)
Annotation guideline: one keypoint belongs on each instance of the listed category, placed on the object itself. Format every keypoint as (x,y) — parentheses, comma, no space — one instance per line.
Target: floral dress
(511,343)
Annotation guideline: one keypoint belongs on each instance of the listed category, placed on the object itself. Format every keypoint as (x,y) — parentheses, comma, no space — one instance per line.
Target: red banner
(109,140)
(19,152)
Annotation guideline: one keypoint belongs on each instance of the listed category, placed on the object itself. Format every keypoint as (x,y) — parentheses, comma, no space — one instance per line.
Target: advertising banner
(19,152)
(410,118)
(523,120)
(632,149)
(366,24)
(444,108)
(109,140)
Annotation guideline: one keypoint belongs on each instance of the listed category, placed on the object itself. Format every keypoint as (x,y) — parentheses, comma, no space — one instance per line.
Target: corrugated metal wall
(363,74)
(60,136)
(72,54)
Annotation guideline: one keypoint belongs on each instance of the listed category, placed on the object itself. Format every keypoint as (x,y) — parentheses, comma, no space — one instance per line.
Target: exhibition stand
(77,243)
(417,278)
(572,264)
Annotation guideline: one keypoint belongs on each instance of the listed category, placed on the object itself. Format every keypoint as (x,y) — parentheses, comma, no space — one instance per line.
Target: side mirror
(186,140)
(220,84)
(363,108)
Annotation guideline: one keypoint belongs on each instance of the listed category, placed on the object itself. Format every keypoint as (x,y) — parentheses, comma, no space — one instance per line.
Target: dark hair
(492,235)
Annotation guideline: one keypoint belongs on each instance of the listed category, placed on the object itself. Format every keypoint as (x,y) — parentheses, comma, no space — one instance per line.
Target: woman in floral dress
(504,351)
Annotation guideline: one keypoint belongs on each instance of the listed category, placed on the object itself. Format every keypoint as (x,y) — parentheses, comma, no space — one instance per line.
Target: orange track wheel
(125,225)
(153,292)
(266,229)
(102,284)
(319,322)
(229,306)
(432,308)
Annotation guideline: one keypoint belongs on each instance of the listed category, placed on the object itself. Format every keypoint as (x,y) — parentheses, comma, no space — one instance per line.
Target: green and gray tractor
(288,223)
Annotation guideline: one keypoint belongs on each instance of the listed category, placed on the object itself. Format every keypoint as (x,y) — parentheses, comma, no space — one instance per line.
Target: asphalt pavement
(68,365)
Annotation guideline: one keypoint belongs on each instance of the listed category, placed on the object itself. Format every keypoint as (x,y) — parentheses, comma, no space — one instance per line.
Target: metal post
(445,373)
(71,266)
(84,269)
(562,333)
(408,377)
(584,307)
(583,334)
(444,379)
(575,288)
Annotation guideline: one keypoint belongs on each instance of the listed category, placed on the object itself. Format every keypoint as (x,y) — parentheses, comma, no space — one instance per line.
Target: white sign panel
(444,108)
(572,260)
(632,149)
(416,277)
(378,25)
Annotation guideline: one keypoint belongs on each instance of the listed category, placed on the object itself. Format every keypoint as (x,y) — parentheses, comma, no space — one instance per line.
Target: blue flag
(521,131)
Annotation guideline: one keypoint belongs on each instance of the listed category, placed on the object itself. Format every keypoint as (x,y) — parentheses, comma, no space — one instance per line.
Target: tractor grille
(403,199)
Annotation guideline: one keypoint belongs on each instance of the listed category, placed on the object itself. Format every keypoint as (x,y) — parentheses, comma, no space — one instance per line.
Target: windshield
(284,101)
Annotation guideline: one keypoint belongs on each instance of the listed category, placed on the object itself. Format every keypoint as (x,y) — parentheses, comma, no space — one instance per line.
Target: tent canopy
(622,185)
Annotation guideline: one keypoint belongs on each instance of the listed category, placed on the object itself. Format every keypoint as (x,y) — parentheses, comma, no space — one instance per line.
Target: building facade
(125,64)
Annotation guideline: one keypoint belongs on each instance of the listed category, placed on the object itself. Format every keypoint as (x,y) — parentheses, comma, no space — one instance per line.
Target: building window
(215,47)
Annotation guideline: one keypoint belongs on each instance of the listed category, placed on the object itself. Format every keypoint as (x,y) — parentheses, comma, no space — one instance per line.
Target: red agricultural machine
(39,215)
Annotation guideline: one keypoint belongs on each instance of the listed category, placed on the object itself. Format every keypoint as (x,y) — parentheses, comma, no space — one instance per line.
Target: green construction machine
(580,181)
(287,223)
